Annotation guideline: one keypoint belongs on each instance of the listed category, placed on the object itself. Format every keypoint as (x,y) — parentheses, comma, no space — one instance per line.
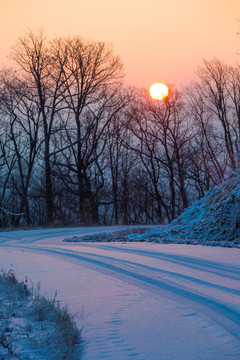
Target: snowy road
(137,300)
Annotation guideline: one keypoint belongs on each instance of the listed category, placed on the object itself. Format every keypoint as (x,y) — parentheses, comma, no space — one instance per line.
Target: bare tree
(161,134)
(93,78)
(21,125)
(37,68)
(208,168)
(218,90)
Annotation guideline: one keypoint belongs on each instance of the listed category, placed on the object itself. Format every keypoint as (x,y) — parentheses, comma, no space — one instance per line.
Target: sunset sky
(157,40)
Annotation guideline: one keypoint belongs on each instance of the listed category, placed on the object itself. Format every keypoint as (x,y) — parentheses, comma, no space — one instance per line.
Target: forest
(79,147)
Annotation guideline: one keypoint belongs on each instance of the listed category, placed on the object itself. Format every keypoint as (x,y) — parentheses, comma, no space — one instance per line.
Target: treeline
(78,147)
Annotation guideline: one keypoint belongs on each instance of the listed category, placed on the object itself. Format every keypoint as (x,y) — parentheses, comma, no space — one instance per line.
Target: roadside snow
(33,327)
(212,221)
(142,301)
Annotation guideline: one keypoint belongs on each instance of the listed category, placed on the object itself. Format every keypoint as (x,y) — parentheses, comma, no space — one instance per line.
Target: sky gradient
(157,40)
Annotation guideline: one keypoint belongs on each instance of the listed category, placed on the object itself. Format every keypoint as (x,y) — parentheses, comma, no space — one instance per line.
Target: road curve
(208,287)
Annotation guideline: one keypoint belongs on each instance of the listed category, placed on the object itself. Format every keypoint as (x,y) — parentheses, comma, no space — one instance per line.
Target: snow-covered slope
(213,220)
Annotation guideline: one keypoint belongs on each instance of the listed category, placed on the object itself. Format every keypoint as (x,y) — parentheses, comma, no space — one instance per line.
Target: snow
(136,300)
(32,326)
(214,220)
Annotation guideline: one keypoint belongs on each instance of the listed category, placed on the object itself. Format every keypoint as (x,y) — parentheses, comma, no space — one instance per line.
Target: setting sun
(158,91)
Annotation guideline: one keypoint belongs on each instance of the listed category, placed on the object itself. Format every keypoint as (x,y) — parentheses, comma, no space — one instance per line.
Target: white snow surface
(136,300)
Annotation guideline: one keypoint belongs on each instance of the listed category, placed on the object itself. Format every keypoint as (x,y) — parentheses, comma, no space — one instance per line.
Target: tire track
(222,313)
(215,268)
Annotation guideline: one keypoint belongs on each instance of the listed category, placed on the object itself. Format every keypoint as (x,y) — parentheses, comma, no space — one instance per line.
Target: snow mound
(108,237)
(214,220)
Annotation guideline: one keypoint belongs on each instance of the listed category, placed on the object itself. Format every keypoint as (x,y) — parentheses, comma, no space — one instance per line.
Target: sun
(158,91)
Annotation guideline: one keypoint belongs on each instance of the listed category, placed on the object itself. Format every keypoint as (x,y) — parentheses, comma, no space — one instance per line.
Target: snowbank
(119,235)
(33,327)
(214,220)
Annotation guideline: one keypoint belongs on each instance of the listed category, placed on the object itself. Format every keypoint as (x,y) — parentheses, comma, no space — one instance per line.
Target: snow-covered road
(140,301)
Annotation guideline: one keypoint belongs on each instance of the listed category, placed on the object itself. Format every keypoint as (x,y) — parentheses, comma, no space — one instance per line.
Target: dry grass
(31,321)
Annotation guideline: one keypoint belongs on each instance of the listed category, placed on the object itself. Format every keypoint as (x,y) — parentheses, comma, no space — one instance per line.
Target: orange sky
(157,40)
